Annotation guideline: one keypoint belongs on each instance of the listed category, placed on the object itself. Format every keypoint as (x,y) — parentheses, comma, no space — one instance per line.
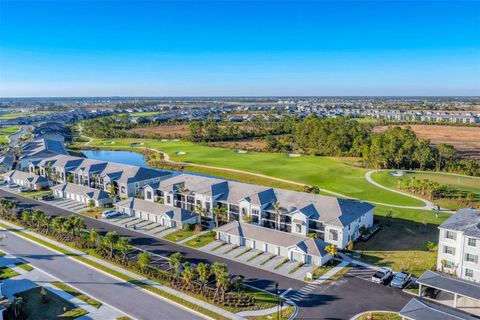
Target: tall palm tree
(189,274)
(77,223)
(204,272)
(110,240)
(278,213)
(222,283)
(123,245)
(94,238)
(26,218)
(58,224)
(218,268)
(175,261)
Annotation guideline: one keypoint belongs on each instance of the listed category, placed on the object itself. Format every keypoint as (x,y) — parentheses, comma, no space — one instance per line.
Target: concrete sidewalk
(130,274)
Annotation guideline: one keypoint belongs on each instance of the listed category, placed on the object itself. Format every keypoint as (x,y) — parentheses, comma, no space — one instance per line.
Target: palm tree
(37,217)
(278,213)
(204,272)
(218,268)
(222,283)
(110,239)
(26,218)
(220,213)
(188,274)
(175,261)
(94,238)
(143,260)
(16,304)
(77,223)
(123,245)
(201,211)
(58,224)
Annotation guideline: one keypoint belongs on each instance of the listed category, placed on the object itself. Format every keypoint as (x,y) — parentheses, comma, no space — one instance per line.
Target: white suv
(382,275)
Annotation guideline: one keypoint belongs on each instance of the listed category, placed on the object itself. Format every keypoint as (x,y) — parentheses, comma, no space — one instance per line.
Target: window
(168,199)
(122,189)
(449,264)
(333,235)
(472,242)
(469,273)
(449,250)
(450,235)
(149,195)
(298,228)
(255,212)
(136,185)
(471,257)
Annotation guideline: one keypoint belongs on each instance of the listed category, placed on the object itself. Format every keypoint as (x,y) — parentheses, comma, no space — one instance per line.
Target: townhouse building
(459,245)
(126,181)
(330,219)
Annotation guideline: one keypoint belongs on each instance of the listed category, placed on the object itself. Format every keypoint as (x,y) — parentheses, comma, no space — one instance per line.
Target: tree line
(397,147)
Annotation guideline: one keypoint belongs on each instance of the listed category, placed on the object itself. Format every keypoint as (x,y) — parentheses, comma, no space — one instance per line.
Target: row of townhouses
(274,220)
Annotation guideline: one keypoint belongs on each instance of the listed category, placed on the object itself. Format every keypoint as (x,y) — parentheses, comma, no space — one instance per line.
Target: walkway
(131,275)
(427,204)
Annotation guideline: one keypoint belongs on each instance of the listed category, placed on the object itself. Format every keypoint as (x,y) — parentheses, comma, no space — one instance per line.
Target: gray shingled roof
(47,146)
(92,193)
(452,284)
(466,221)
(310,246)
(7,161)
(33,178)
(176,214)
(418,309)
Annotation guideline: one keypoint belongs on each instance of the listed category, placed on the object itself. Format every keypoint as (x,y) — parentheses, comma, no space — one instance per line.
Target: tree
(430,245)
(222,283)
(94,238)
(110,240)
(43,294)
(220,213)
(91,203)
(218,268)
(350,245)
(16,305)
(123,245)
(188,274)
(278,213)
(77,223)
(144,259)
(331,250)
(204,272)
(175,262)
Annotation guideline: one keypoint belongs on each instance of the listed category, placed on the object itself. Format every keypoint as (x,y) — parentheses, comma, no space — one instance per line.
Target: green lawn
(36,194)
(24,266)
(380,316)
(202,240)
(7,131)
(62,286)
(460,183)
(179,235)
(15,115)
(6,273)
(53,308)
(401,244)
(335,174)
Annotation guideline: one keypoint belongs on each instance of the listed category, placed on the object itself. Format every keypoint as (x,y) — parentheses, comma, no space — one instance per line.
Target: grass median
(119,275)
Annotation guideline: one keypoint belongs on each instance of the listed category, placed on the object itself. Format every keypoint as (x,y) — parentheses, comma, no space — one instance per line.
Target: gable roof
(46,147)
(310,246)
(466,221)
(26,176)
(173,213)
(92,193)
(418,309)
(452,284)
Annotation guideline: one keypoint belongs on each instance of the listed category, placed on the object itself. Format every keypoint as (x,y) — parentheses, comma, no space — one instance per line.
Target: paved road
(14,138)
(339,300)
(119,294)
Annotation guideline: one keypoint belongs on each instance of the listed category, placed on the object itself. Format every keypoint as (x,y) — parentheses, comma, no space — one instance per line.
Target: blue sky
(203,48)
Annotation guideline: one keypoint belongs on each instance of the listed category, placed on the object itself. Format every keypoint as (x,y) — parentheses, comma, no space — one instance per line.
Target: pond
(125,157)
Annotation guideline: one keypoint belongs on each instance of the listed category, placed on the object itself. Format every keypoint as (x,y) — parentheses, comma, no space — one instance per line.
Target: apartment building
(330,219)
(459,245)
(126,181)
